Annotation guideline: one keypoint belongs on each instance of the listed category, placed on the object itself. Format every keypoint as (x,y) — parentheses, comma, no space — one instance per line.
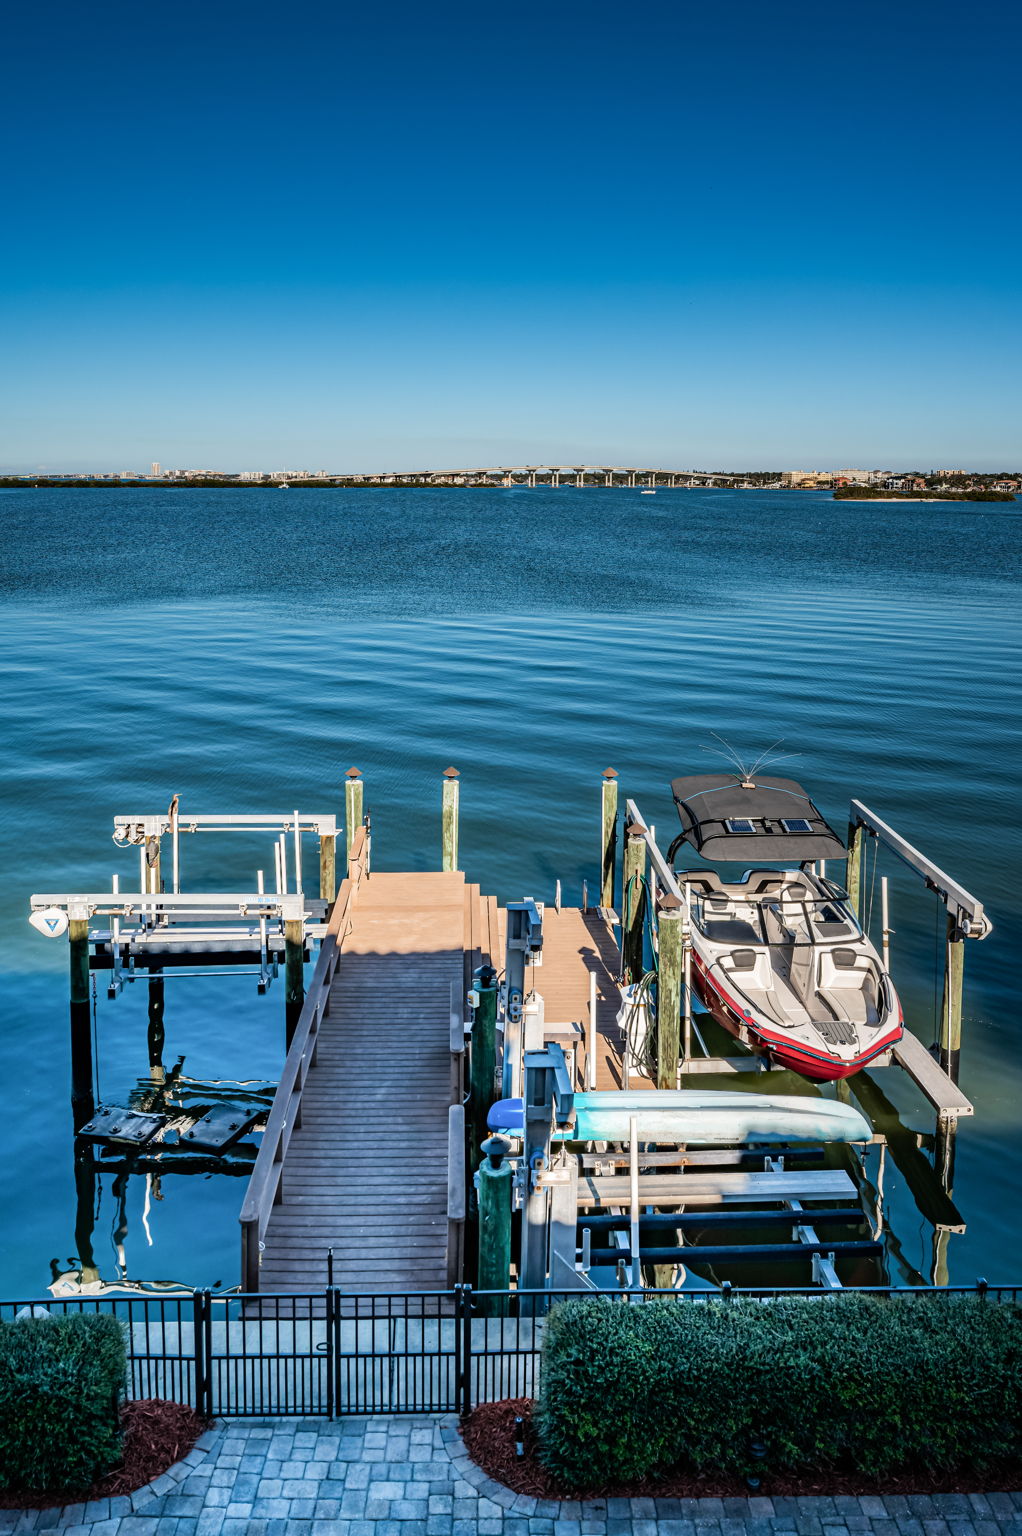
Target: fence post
(199,1351)
(207,1328)
(459,1352)
(331,1348)
(465,1394)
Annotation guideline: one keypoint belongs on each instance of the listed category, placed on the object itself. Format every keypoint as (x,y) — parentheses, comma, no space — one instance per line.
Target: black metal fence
(332,1353)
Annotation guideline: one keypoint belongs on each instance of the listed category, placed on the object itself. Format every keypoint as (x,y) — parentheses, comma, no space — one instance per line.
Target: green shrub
(866,1382)
(60,1383)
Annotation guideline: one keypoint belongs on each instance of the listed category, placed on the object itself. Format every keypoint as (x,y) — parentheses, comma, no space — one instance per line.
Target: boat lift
(567,1196)
(154,935)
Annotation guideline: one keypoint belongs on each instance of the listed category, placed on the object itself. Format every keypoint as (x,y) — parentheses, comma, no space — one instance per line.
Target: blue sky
(318,237)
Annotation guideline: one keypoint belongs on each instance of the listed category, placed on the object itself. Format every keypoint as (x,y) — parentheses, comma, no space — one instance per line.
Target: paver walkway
(410,1477)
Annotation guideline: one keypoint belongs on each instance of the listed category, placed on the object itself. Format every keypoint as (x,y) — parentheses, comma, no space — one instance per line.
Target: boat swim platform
(364,1150)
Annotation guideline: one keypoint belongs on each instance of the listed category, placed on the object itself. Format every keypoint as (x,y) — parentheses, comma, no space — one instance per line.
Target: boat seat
(700,879)
(848,985)
(750,968)
(732,930)
(761,881)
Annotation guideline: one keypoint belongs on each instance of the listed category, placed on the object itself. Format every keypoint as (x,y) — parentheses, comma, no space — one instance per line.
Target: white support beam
(160,825)
(964,907)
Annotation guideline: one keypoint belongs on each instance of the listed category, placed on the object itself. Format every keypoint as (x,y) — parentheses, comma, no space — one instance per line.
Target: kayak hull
(690,1117)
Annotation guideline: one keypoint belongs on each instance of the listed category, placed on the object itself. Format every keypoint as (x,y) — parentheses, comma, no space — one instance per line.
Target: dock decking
(366,1170)
(576,942)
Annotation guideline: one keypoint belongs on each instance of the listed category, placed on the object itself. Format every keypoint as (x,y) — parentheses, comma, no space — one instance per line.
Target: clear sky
(315,236)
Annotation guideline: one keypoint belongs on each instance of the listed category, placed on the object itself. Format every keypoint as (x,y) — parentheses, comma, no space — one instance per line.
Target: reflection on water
(111,1172)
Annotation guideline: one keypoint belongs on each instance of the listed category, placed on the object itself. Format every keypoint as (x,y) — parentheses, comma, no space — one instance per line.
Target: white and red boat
(779,956)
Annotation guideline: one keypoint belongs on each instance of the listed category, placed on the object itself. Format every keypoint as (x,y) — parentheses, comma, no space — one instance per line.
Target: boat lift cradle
(565,1200)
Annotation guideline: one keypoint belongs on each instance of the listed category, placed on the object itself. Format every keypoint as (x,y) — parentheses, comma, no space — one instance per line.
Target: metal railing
(330,1353)
(265,1187)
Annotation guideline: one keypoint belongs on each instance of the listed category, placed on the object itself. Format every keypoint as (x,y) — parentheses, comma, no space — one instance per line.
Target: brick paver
(411,1477)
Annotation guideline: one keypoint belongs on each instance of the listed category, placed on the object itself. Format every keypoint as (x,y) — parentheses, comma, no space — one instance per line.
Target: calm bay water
(243,649)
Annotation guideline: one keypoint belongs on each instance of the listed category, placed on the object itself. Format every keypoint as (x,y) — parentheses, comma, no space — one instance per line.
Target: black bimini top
(743,821)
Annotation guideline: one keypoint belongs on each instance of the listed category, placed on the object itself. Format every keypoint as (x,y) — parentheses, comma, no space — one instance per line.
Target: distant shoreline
(981,499)
(339,483)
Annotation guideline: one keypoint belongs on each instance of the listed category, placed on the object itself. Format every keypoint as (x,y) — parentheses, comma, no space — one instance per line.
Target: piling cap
(495,1148)
(670,902)
(610,773)
(451,773)
(485,976)
(354,773)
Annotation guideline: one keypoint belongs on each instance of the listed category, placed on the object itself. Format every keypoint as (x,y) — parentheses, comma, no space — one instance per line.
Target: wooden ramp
(365,1172)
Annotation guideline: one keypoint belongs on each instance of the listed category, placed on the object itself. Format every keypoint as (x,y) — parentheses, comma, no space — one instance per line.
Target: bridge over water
(578,475)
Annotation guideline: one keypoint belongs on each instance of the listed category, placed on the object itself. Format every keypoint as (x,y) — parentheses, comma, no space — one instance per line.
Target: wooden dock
(575,943)
(363,1167)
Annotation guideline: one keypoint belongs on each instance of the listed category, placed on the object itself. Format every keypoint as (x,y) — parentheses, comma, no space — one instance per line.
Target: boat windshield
(815,919)
(798,917)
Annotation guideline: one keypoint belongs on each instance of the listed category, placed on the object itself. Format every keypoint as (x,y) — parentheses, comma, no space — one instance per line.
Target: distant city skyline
(751,237)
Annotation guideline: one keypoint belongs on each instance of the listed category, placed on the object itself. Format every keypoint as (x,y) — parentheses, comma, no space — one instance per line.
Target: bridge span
(580,476)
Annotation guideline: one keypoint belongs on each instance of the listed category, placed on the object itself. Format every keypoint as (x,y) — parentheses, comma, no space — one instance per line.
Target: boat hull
(767,1040)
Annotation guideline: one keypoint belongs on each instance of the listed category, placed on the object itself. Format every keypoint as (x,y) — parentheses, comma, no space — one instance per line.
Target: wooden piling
(152,876)
(608,844)
(668,1007)
(633,902)
(85,1210)
(449,832)
(327,866)
(294,976)
(853,866)
(951,1002)
(156,1032)
(353,789)
(494,1263)
(83,1104)
(484,1054)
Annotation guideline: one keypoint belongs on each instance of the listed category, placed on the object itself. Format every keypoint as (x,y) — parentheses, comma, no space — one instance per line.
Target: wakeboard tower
(780,959)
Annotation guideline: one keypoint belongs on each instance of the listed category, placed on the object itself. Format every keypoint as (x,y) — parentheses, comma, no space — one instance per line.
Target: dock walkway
(366,1169)
(576,942)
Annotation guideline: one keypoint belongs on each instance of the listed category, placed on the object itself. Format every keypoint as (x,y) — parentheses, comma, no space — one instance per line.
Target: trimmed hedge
(852,1381)
(61,1379)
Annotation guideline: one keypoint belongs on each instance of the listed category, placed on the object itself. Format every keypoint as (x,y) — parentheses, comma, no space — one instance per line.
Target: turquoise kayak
(688,1116)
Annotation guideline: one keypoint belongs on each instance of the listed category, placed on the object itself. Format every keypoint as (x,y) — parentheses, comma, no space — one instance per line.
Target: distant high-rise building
(154,470)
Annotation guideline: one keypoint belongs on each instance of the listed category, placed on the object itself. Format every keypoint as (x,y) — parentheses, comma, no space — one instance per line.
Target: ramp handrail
(265,1185)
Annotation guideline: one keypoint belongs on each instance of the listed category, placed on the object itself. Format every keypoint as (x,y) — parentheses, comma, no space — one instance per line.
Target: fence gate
(398,1353)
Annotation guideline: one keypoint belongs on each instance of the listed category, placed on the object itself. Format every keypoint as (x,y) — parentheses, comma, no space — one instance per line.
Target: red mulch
(489,1436)
(156,1435)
